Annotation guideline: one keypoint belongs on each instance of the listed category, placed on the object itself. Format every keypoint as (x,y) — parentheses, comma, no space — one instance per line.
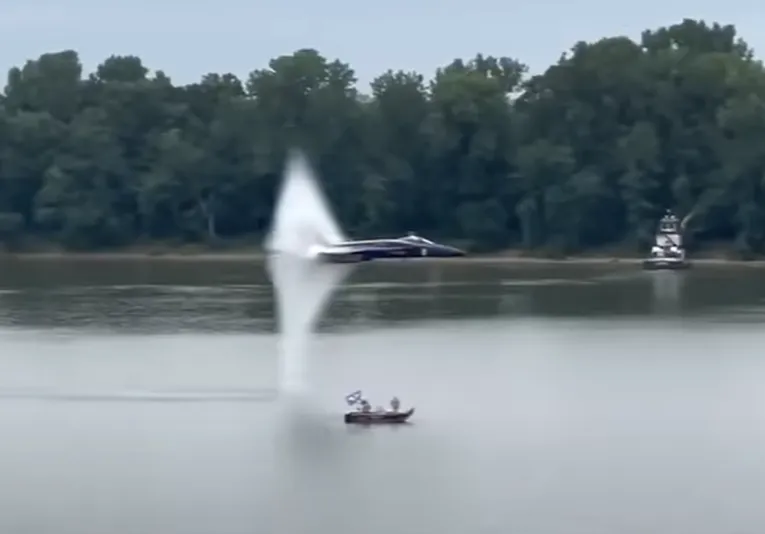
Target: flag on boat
(353,398)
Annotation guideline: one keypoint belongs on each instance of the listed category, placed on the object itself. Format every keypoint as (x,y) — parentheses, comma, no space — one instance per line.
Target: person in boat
(395,404)
(365,406)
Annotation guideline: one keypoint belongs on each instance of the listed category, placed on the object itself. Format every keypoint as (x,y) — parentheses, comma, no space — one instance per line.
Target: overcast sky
(190,38)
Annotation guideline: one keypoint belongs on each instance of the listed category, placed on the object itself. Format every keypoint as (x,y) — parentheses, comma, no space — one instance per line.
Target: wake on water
(139,395)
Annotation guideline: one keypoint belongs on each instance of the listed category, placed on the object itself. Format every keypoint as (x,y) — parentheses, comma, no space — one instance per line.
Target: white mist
(302,285)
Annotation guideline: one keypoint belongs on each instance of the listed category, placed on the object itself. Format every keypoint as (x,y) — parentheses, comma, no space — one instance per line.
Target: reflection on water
(237,297)
(137,397)
(667,291)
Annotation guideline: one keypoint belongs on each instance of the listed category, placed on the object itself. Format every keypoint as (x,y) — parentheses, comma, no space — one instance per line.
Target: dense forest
(586,155)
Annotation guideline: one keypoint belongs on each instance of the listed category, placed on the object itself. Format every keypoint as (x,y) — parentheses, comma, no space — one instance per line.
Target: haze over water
(137,397)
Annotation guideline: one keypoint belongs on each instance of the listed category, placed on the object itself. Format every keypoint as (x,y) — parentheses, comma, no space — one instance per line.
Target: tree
(587,154)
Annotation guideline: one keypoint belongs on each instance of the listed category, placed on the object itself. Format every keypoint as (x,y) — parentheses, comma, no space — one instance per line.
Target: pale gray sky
(187,39)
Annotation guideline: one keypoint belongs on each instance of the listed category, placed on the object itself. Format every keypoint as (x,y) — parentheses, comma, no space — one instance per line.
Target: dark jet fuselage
(377,249)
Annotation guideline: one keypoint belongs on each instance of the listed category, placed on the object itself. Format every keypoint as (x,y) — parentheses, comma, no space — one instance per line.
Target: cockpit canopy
(412,238)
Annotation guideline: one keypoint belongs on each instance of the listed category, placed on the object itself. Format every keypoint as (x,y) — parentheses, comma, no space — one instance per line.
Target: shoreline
(203,254)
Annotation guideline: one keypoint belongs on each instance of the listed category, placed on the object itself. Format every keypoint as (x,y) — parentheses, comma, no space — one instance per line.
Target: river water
(138,397)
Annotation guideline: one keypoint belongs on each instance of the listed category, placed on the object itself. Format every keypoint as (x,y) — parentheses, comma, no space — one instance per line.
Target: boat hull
(373,418)
(664,264)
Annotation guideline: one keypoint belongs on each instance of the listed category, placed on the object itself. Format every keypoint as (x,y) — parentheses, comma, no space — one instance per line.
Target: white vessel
(668,251)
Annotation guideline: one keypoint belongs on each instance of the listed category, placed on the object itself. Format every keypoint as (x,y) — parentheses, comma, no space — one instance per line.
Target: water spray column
(303,285)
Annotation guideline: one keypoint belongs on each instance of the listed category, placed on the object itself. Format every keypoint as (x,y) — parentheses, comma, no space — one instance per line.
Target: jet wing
(357,253)
(341,254)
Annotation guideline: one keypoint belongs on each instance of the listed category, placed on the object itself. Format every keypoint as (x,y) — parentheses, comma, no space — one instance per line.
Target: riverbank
(712,256)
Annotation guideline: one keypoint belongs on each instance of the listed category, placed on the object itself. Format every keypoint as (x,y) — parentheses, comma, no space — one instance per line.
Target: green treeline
(588,154)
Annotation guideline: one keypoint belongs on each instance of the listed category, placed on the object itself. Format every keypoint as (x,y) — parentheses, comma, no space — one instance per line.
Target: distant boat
(668,252)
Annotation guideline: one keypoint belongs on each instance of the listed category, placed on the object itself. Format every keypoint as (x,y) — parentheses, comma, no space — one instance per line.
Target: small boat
(378,418)
(668,252)
(365,416)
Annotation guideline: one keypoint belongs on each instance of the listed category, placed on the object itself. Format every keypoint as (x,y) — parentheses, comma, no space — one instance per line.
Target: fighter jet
(410,246)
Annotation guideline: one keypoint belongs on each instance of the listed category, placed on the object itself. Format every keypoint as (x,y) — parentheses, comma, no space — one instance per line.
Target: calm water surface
(139,398)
